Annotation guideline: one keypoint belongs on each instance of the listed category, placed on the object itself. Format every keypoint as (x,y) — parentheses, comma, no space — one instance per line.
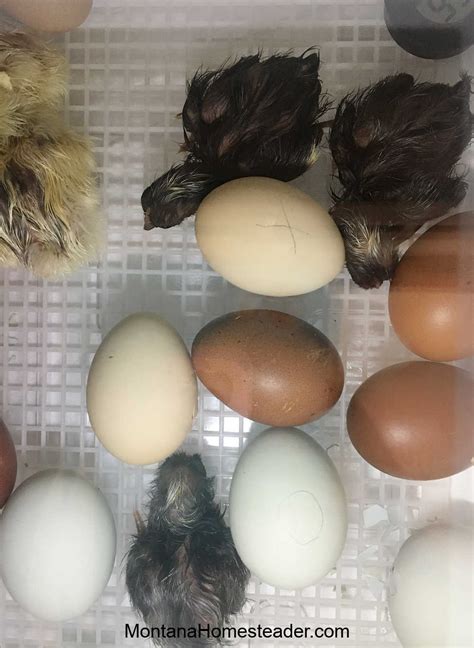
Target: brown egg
(415,420)
(269,366)
(431,299)
(7,464)
(48,15)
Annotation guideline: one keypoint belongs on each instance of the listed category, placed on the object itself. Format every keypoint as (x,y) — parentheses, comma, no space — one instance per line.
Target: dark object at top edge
(425,38)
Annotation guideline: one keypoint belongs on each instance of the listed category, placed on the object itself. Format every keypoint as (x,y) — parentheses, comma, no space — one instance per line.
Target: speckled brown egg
(415,420)
(431,300)
(269,366)
(8,464)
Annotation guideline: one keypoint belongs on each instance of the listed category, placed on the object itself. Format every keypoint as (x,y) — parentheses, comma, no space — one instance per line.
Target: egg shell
(49,15)
(8,464)
(287,507)
(269,366)
(268,237)
(431,300)
(58,539)
(431,599)
(414,420)
(141,390)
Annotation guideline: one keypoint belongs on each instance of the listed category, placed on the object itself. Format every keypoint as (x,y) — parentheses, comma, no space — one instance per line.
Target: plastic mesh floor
(129,64)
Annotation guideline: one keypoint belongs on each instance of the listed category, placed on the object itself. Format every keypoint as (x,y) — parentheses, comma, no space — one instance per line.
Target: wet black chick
(182,568)
(395,146)
(177,194)
(257,117)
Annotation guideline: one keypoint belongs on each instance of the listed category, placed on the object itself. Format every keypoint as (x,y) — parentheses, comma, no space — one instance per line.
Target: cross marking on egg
(288,226)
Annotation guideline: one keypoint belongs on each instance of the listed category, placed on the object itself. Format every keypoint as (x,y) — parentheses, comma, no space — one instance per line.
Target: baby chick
(257,117)
(177,194)
(50,219)
(395,145)
(32,83)
(49,210)
(182,568)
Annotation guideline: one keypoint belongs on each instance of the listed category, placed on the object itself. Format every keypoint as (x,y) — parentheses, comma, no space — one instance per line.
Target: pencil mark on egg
(289,227)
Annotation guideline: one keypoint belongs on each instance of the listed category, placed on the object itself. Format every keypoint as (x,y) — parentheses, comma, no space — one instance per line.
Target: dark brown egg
(269,366)
(431,299)
(415,420)
(7,464)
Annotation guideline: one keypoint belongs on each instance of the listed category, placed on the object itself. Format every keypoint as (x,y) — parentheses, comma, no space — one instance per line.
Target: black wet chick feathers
(257,117)
(395,146)
(176,194)
(182,568)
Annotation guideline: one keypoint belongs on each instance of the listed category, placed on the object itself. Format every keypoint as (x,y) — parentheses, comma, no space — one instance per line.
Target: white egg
(287,509)
(142,390)
(431,593)
(57,545)
(268,237)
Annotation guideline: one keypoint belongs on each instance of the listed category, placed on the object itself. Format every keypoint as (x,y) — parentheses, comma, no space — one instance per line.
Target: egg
(57,538)
(268,237)
(8,464)
(287,506)
(431,598)
(269,366)
(48,15)
(431,300)
(142,390)
(414,420)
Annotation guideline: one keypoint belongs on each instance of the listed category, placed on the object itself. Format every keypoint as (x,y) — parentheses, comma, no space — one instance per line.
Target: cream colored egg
(268,237)
(141,390)
(49,15)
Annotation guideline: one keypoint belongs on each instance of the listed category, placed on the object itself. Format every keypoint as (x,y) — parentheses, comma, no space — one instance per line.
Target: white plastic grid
(129,64)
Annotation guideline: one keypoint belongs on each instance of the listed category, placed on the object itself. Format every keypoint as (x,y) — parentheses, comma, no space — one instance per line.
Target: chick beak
(376,283)
(147,224)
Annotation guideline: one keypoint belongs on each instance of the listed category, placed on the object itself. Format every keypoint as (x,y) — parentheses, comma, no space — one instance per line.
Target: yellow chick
(50,219)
